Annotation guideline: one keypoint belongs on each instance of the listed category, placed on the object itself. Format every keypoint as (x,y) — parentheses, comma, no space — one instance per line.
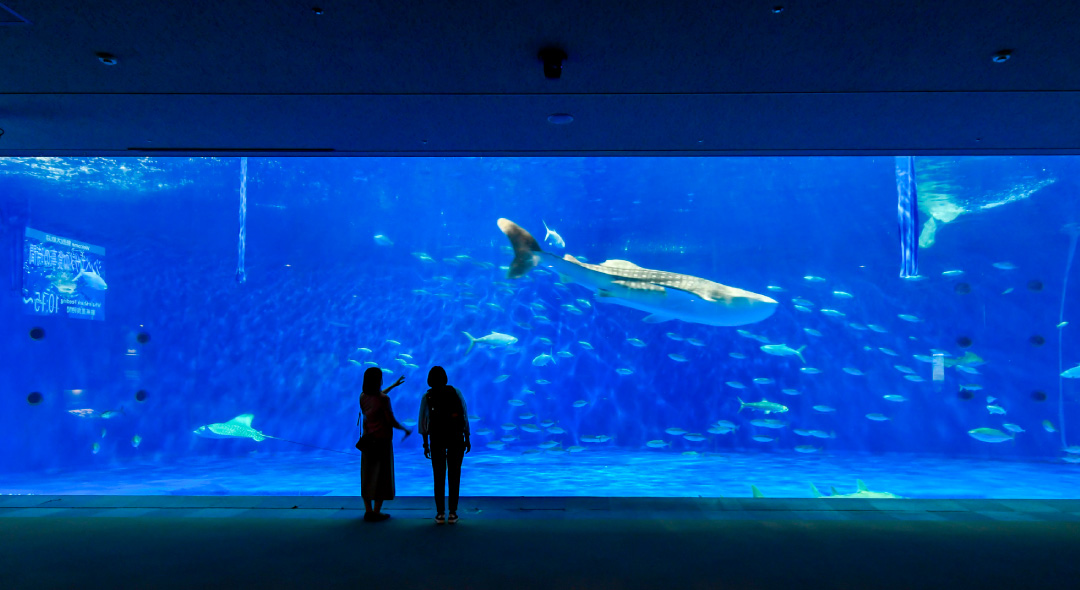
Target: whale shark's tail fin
(813,488)
(472,342)
(526,249)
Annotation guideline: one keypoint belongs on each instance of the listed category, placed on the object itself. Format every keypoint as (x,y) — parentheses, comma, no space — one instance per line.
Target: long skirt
(377,469)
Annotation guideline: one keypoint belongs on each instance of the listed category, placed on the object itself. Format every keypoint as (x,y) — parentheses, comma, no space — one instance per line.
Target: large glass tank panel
(672,327)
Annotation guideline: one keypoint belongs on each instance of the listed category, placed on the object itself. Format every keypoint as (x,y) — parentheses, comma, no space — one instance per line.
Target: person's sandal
(440,519)
(453,518)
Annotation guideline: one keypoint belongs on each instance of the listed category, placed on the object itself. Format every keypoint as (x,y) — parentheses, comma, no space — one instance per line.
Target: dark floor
(669,543)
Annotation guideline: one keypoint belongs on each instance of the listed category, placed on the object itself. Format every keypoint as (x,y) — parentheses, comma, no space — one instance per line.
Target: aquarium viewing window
(619,326)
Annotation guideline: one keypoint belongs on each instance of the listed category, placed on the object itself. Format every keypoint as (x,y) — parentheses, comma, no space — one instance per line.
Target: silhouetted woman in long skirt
(377,461)
(444,418)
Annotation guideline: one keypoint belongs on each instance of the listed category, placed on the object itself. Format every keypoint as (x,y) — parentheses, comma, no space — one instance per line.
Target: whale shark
(238,427)
(663,295)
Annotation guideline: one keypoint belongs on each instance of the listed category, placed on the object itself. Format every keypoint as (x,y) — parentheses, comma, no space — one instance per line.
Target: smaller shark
(238,427)
(861,492)
(764,406)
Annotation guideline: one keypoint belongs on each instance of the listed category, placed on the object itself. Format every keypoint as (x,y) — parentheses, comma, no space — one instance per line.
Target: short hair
(436,377)
(372,381)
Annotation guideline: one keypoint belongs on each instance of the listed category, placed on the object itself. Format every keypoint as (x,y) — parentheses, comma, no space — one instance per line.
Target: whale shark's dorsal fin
(567,278)
(244,419)
(757,493)
(861,485)
(619,264)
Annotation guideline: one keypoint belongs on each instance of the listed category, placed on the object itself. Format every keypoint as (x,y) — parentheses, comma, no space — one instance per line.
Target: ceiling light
(560,118)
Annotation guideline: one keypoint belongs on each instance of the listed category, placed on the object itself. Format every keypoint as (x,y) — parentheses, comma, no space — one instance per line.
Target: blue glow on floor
(592,473)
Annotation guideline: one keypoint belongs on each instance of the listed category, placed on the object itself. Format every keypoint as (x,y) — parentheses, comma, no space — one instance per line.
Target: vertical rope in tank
(907,209)
(241,276)
(1073,229)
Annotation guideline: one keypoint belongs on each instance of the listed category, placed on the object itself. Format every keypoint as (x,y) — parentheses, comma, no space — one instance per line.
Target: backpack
(446,416)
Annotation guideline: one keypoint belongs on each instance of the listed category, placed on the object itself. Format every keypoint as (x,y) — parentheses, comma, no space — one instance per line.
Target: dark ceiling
(455,77)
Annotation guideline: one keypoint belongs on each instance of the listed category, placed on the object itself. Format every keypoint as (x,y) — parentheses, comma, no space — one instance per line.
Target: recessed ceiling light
(777,9)
(560,118)
(106,58)
(1002,56)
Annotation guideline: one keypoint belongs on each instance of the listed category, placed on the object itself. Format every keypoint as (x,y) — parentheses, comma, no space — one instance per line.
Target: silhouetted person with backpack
(443,417)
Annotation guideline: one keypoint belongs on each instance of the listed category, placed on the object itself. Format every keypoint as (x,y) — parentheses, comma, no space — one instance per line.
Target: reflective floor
(611,473)
(264,542)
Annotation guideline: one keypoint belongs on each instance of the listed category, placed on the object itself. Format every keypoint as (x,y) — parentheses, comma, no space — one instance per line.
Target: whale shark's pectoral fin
(656,318)
(244,419)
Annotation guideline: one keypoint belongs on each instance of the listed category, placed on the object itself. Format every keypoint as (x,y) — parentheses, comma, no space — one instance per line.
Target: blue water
(284,344)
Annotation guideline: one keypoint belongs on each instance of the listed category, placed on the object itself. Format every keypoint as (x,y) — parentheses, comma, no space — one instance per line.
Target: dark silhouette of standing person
(444,418)
(377,460)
